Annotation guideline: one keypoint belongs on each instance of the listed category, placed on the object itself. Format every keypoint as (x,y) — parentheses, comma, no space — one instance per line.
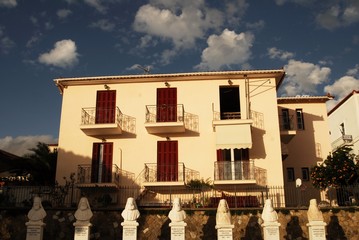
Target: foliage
(41,165)
(199,184)
(60,192)
(338,170)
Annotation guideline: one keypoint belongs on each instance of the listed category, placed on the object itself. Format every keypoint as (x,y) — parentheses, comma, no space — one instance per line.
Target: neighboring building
(305,139)
(162,130)
(344,123)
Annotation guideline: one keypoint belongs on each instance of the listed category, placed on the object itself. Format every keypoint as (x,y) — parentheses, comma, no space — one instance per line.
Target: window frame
(290,174)
(300,118)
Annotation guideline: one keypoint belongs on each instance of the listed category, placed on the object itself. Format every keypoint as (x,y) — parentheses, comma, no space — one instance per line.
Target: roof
(278,74)
(343,101)
(304,99)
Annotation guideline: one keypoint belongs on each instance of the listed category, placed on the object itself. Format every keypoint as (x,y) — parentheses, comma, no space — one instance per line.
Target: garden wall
(341,224)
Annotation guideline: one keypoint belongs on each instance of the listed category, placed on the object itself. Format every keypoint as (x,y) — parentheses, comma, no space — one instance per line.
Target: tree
(41,165)
(338,170)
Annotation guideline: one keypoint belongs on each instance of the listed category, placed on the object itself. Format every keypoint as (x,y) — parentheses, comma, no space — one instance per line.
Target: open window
(229,102)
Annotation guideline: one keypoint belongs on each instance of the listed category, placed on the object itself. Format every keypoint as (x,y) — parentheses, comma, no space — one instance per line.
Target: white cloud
(181,22)
(303,78)
(8,3)
(339,15)
(256,25)
(63,13)
(226,49)
(97,4)
(353,71)
(104,25)
(21,144)
(341,88)
(63,55)
(275,53)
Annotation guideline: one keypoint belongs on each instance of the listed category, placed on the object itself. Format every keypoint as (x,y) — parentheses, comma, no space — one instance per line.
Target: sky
(315,41)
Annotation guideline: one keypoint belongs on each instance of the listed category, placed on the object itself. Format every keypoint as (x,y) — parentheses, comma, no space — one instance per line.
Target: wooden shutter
(95,162)
(101,167)
(167,161)
(106,106)
(166,104)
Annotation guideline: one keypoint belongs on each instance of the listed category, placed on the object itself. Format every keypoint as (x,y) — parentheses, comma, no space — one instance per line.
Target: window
(106,106)
(229,102)
(285,119)
(300,119)
(101,167)
(342,129)
(305,174)
(290,174)
(167,161)
(166,104)
(233,164)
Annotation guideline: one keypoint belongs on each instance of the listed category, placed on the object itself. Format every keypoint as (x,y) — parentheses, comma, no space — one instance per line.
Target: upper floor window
(166,105)
(300,119)
(342,129)
(106,106)
(285,119)
(229,102)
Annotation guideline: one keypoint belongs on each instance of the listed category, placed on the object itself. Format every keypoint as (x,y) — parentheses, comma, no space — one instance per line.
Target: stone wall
(342,224)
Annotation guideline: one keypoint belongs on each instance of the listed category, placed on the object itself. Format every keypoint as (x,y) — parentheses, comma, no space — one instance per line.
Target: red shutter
(166,104)
(167,161)
(107,162)
(106,166)
(95,162)
(106,106)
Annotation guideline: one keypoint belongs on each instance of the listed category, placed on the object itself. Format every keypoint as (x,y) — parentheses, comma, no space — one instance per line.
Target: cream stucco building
(344,123)
(160,131)
(305,140)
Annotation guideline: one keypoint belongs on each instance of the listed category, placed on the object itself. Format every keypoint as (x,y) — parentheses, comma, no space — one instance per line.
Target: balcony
(160,178)
(105,176)
(106,122)
(287,129)
(228,173)
(344,140)
(170,119)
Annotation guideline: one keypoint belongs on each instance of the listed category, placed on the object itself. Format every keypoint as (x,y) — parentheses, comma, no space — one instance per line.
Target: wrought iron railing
(286,122)
(342,141)
(169,173)
(103,173)
(172,113)
(127,123)
(239,170)
(226,115)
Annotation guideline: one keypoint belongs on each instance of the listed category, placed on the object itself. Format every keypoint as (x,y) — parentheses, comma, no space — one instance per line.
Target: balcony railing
(103,174)
(286,122)
(126,123)
(239,170)
(169,173)
(172,114)
(344,140)
(226,115)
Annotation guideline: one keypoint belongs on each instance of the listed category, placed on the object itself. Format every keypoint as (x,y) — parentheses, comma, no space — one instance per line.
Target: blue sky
(315,41)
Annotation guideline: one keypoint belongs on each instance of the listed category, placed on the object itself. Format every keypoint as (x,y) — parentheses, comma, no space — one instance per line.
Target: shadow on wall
(208,232)
(253,230)
(293,229)
(165,230)
(334,230)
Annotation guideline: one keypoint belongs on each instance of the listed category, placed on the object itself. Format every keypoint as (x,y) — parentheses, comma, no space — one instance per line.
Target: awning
(233,136)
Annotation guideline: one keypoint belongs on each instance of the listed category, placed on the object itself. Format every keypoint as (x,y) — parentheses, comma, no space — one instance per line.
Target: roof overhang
(277,74)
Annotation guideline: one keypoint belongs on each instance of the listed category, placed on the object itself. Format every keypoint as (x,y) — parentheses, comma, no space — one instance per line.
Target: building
(160,131)
(344,123)
(305,140)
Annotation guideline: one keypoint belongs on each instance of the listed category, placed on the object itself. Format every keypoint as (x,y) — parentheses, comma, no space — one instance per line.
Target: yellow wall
(196,151)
